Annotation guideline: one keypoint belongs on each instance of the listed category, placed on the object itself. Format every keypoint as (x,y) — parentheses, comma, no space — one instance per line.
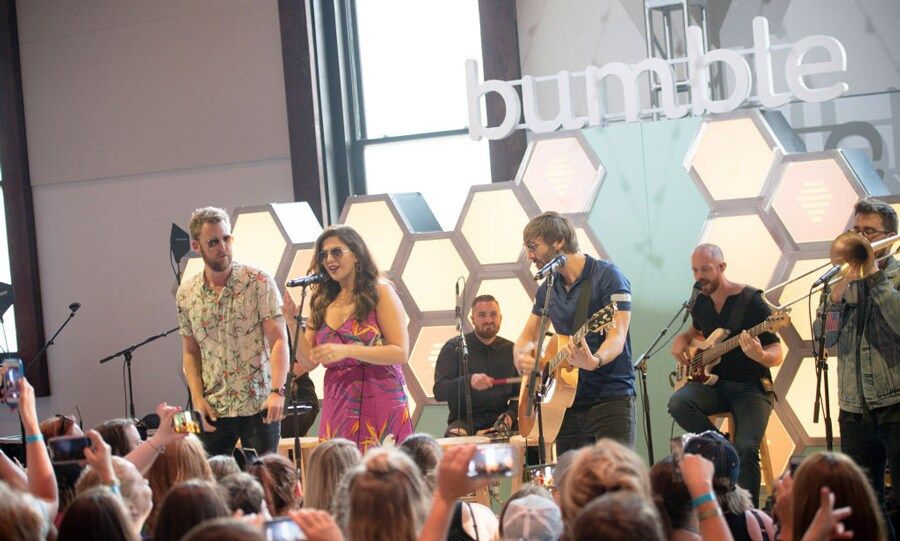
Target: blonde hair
(327,465)
(607,466)
(180,461)
(90,478)
(20,519)
(206,215)
(383,498)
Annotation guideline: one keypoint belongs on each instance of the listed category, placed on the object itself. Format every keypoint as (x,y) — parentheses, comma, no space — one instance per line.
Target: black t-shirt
(495,360)
(735,365)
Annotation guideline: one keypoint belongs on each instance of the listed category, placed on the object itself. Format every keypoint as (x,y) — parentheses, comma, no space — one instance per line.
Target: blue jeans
(253,432)
(748,404)
(610,418)
(871,445)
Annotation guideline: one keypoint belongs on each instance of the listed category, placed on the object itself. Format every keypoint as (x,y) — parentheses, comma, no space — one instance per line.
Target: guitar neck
(561,356)
(725,346)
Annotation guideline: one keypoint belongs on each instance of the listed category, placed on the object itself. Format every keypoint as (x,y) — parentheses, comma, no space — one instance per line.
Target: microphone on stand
(551,267)
(829,274)
(75,306)
(304,281)
(692,301)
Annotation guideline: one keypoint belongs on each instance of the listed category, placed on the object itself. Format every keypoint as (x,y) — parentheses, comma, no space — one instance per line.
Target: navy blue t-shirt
(616,378)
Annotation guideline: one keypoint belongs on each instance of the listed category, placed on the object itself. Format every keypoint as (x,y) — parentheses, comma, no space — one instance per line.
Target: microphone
(692,301)
(829,274)
(458,309)
(551,267)
(74,306)
(304,281)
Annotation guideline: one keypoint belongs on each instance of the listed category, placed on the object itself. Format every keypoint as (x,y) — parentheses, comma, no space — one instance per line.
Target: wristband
(34,438)
(700,500)
(712,512)
(599,360)
(113,487)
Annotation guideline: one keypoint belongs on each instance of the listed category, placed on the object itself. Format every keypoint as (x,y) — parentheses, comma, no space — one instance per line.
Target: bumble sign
(698,63)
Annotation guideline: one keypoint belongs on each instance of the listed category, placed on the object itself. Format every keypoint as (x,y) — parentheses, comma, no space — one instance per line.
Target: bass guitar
(706,354)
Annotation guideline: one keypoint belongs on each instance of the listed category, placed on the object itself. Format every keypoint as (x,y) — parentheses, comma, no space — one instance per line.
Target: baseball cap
(532,517)
(713,446)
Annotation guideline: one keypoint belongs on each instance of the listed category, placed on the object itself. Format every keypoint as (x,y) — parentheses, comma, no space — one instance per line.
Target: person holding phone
(234,342)
(356,331)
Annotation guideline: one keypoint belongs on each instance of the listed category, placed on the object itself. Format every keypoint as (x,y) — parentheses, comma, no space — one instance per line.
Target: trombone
(849,249)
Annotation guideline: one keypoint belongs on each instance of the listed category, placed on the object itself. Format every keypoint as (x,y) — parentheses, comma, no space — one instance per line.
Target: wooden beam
(500,60)
(18,202)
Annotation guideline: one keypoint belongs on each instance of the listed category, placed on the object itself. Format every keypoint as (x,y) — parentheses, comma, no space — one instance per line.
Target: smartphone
(187,422)
(244,456)
(494,460)
(283,529)
(677,447)
(9,387)
(542,475)
(68,449)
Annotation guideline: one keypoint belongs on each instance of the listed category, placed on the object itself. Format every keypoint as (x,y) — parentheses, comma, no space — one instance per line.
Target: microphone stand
(127,354)
(40,354)
(464,358)
(536,377)
(641,365)
(822,369)
(293,406)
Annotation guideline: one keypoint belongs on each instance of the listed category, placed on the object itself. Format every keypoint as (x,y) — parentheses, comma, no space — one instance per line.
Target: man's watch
(277,390)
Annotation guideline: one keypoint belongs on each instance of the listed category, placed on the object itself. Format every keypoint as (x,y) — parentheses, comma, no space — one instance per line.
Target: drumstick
(505,381)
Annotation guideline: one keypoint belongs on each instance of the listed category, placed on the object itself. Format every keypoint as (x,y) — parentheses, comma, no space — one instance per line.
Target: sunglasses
(335,253)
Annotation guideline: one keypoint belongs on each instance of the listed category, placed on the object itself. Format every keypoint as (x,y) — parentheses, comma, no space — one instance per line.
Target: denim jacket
(874,354)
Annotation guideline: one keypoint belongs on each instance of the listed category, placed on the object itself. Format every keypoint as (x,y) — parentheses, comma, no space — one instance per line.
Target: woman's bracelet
(712,512)
(700,500)
(34,438)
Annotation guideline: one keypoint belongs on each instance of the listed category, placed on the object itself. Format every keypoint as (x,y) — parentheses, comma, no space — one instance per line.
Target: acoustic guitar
(706,354)
(561,377)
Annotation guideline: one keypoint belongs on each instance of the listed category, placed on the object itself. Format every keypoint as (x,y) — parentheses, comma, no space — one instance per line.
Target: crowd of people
(167,487)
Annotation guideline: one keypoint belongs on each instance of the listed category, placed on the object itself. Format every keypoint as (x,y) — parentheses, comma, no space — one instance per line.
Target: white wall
(136,113)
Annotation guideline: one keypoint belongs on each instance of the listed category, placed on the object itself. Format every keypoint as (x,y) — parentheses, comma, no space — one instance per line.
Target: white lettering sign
(698,64)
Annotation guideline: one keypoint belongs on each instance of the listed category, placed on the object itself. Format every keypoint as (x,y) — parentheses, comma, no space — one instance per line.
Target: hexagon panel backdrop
(640,194)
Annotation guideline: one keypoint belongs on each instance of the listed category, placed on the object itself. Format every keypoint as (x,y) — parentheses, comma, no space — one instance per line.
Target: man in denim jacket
(868,348)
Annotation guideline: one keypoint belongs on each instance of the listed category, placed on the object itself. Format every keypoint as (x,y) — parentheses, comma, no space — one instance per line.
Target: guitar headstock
(778,320)
(602,318)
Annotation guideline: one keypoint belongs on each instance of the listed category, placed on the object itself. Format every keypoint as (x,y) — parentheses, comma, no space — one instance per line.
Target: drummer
(490,362)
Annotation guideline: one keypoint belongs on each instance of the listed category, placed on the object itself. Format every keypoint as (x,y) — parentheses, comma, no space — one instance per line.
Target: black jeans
(610,418)
(750,407)
(253,432)
(872,444)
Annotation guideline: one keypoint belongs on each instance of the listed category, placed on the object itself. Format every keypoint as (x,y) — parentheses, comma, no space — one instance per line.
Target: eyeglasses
(866,231)
(335,253)
(530,247)
(65,422)
(215,241)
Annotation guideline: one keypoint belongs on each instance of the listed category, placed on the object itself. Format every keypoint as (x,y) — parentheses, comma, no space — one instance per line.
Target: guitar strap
(584,299)
(739,310)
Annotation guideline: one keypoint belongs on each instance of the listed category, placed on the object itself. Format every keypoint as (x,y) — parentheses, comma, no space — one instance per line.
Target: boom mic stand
(73,308)
(822,368)
(464,357)
(641,365)
(127,354)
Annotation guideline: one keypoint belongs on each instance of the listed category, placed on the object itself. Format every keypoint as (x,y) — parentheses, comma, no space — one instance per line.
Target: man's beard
(216,264)
(485,334)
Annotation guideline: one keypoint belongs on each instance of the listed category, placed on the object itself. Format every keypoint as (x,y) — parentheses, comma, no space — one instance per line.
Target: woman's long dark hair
(365,297)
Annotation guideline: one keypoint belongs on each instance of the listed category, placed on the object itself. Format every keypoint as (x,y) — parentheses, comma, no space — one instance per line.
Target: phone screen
(9,387)
(68,449)
(493,460)
(542,475)
(283,529)
(187,422)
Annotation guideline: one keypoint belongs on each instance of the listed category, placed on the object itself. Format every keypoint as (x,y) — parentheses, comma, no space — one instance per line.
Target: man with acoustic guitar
(603,404)
(740,381)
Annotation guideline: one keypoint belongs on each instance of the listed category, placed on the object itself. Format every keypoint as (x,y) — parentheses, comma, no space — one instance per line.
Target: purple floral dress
(363,402)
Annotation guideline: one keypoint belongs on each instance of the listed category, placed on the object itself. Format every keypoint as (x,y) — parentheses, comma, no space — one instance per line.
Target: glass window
(8,340)
(441,168)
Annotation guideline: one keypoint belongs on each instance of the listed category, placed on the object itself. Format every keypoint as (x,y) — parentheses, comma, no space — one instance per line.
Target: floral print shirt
(228,327)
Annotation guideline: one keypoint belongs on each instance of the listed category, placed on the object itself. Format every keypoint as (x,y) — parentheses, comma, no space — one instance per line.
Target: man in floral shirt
(228,315)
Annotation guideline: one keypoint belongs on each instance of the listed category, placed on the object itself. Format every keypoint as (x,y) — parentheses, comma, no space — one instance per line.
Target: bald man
(744,385)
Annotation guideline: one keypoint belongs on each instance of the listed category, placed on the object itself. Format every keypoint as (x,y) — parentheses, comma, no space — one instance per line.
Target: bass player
(744,384)
(603,406)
